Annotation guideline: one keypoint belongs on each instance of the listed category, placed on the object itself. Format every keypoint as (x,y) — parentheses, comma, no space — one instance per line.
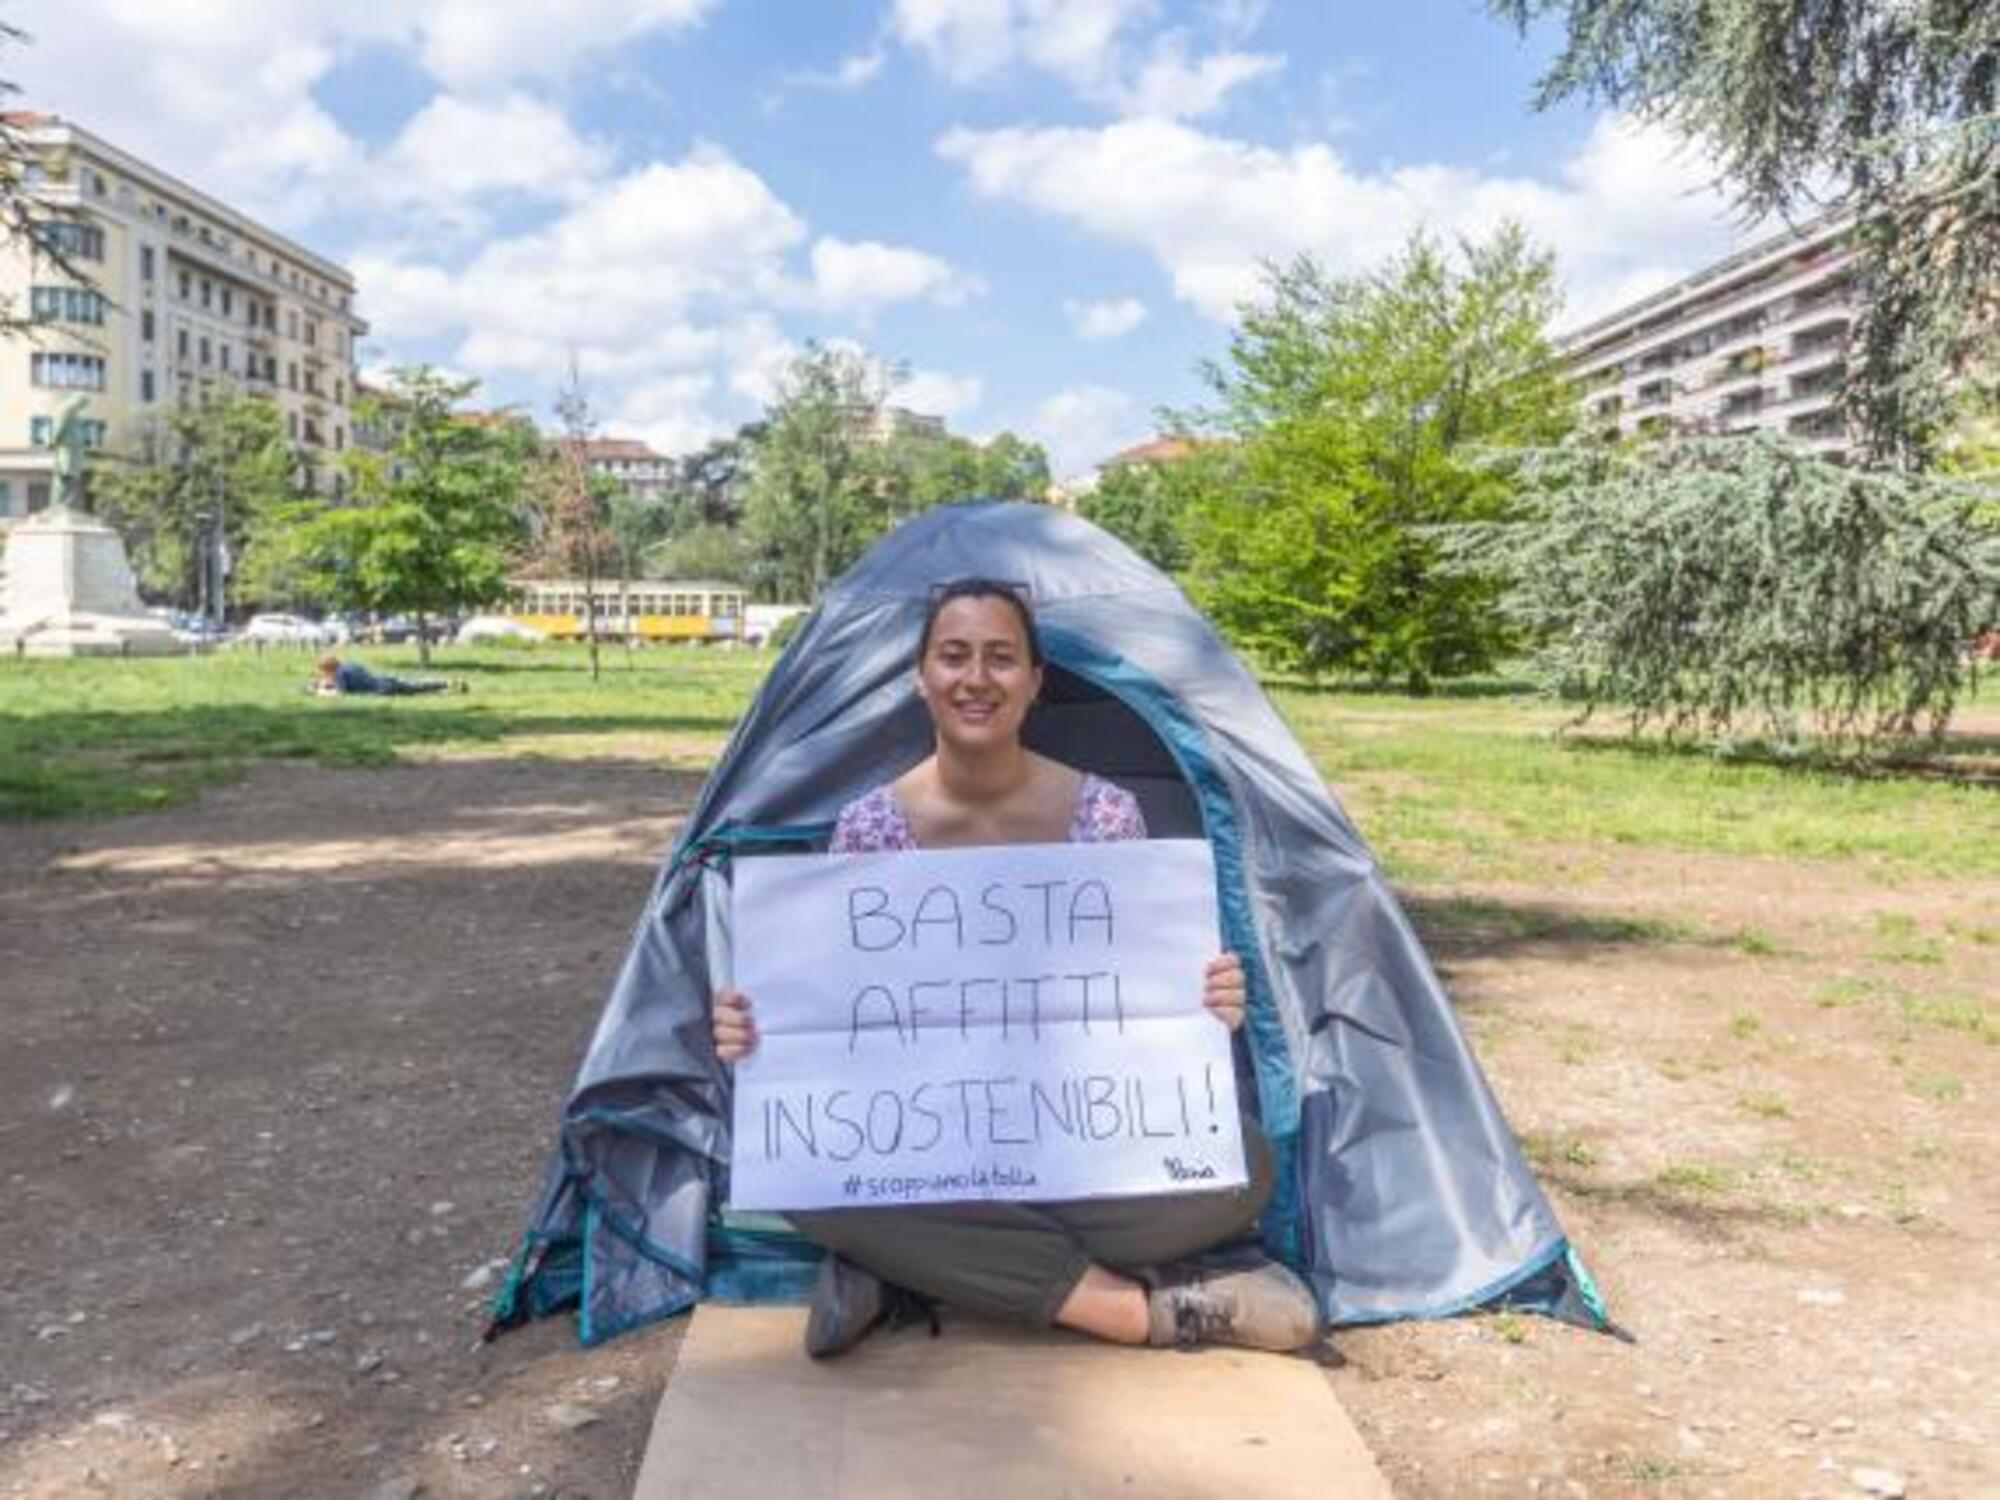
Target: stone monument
(68,589)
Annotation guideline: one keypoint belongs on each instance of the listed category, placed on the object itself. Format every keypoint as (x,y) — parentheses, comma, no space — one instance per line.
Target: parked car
(197,630)
(496,628)
(285,630)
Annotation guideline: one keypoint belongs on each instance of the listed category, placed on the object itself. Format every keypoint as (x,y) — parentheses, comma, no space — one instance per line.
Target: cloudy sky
(1044,210)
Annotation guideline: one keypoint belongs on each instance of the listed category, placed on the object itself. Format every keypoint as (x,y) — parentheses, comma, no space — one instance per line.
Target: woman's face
(976,676)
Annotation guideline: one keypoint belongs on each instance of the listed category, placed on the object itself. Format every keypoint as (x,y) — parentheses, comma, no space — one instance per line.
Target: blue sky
(1043,212)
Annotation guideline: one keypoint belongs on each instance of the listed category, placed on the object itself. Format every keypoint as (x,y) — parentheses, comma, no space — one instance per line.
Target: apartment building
(1755,342)
(180,295)
(645,474)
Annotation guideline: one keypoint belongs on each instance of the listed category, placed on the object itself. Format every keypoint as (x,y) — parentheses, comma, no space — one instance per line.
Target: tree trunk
(423,639)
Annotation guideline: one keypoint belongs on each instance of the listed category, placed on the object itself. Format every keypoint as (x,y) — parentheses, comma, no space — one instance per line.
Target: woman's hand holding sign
(1222,991)
(735,1031)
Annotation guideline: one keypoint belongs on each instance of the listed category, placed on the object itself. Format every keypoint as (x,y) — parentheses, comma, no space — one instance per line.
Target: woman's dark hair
(1015,594)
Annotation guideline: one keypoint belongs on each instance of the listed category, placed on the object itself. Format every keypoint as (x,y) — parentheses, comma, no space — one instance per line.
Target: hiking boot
(1263,1306)
(846,1302)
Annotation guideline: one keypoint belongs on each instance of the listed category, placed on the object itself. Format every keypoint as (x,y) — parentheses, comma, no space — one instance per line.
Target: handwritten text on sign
(1021,1022)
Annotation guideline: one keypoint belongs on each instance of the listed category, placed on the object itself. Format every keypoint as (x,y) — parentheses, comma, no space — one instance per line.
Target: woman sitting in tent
(1120,1269)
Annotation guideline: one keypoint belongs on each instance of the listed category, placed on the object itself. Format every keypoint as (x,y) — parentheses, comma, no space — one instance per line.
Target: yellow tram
(648,609)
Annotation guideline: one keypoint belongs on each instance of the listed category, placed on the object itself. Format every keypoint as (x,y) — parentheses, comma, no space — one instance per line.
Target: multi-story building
(1757,341)
(174,295)
(645,474)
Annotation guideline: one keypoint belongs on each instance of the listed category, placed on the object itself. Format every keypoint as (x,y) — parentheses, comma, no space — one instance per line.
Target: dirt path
(280,1070)
(280,1067)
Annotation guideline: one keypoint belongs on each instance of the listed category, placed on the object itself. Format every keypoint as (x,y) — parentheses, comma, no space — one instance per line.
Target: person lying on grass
(336,678)
(1123,1269)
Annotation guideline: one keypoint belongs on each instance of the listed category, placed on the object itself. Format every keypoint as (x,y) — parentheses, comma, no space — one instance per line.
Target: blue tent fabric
(1402,1191)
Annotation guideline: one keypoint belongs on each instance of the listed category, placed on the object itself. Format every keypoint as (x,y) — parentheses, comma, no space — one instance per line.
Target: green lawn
(1451,786)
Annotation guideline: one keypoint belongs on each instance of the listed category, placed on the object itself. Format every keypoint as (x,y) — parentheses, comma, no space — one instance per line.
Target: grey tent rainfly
(1401,1190)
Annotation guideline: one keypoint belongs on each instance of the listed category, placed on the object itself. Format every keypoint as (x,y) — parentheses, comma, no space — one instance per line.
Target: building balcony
(1788,283)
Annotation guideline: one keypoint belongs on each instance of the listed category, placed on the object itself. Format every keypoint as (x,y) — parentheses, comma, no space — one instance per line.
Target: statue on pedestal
(71,450)
(69,590)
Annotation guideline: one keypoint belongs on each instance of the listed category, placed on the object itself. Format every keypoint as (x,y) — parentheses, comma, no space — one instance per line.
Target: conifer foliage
(1740,585)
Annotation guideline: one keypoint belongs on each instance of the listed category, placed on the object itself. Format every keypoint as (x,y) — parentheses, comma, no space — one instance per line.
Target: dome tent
(1401,1190)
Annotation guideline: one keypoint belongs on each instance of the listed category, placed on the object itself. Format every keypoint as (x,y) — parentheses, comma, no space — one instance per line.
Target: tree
(432,522)
(1360,408)
(1712,585)
(935,468)
(1147,505)
(1894,103)
(209,500)
(717,553)
(817,496)
(575,505)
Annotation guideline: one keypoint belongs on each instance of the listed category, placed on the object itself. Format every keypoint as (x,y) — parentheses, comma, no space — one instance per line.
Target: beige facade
(183,296)
(645,474)
(1754,342)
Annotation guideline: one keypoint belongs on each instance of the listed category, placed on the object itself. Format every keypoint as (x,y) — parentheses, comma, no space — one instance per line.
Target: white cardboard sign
(1016,1022)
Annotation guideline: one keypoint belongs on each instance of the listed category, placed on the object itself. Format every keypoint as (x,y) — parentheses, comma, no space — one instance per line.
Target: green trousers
(1020,1261)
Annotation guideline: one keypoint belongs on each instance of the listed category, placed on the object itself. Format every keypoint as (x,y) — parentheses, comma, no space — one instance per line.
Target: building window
(207,292)
(186,286)
(339,439)
(228,303)
(145,262)
(271,316)
(145,385)
(292,374)
(71,239)
(42,432)
(340,393)
(66,304)
(146,324)
(291,323)
(312,332)
(6,497)
(292,425)
(68,372)
(224,357)
(181,342)
(206,351)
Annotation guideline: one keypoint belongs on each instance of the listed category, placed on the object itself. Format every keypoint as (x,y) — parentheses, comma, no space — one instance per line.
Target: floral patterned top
(875,824)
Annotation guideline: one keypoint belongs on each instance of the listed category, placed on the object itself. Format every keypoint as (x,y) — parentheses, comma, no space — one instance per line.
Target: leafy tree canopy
(215,474)
(433,520)
(1894,104)
(819,488)
(1359,408)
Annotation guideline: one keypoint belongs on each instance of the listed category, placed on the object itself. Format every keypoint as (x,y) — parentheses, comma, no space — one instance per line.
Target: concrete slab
(990,1412)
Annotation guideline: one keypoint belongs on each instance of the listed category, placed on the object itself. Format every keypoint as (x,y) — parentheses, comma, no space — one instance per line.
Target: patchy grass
(1746,1028)
(1547,1149)
(107,737)
(1941,1087)
(1757,944)
(1764,1106)
(1902,941)
(1486,788)
(1950,1013)
(1696,1180)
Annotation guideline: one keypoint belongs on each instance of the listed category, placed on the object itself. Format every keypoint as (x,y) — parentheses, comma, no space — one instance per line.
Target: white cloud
(485,42)
(1211,209)
(1083,425)
(937,393)
(1174,86)
(1105,320)
(1098,47)
(860,277)
(665,284)
(222,94)
(457,154)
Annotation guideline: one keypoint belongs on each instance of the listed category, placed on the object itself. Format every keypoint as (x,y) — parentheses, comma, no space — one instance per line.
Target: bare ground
(281,1067)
